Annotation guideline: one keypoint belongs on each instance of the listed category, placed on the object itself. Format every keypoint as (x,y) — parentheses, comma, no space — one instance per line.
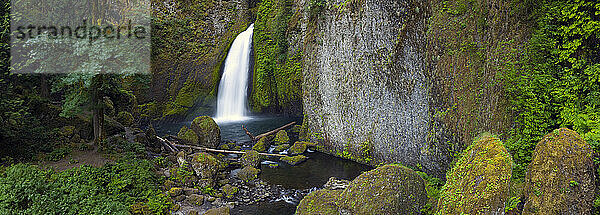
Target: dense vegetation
(557,82)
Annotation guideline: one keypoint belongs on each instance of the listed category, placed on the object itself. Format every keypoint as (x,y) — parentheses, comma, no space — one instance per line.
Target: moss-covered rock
(261,145)
(294,160)
(195,199)
(248,173)
(251,158)
(125,118)
(229,190)
(281,148)
(175,191)
(297,148)
(281,137)
(209,133)
(479,182)
(188,135)
(218,211)
(560,179)
(389,189)
(228,146)
(320,202)
(206,167)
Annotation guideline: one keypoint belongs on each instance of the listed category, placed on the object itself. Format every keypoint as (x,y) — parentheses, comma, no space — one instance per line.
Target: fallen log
(225,151)
(168,143)
(253,138)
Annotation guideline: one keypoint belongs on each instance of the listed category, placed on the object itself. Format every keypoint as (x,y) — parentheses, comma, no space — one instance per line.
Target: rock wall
(404,81)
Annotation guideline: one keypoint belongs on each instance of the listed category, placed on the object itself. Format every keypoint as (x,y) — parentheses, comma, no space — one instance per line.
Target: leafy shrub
(26,189)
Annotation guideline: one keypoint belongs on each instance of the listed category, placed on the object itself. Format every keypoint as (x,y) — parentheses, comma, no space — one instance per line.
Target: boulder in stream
(298,148)
(320,202)
(261,145)
(561,177)
(250,158)
(281,138)
(188,135)
(218,211)
(209,133)
(206,167)
(248,173)
(294,160)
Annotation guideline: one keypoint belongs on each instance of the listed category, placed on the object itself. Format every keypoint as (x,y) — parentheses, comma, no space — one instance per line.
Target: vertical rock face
(405,81)
(560,179)
(365,90)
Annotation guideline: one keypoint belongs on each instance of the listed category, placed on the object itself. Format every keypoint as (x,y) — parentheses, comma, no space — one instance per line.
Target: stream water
(308,175)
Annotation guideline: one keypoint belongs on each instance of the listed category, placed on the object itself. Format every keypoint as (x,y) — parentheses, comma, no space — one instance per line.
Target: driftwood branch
(170,146)
(268,133)
(224,151)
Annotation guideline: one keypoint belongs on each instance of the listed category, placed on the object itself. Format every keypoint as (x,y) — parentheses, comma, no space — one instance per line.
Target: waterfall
(231,99)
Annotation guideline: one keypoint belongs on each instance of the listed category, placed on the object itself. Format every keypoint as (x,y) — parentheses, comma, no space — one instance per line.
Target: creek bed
(300,179)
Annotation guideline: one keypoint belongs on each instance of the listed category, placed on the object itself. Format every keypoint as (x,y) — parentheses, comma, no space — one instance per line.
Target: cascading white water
(231,100)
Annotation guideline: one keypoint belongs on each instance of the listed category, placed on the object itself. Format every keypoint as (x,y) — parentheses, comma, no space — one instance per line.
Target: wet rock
(281,138)
(189,191)
(206,167)
(261,145)
(218,211)
(297,148)
(479,182)
(294,160)
(192,212)
(248,173)
(175,191)
(188,135)
(211,199)
(195,199)
(229,190)
(250,158)
(389,189)
(560,179)
(168,184)
(320,202)
(281,148)
(228,146)
(209,133)
(336,184)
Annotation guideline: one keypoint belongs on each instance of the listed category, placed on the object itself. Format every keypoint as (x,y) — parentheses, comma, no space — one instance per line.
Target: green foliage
(26,189)
(277,72)
(558,84)
(58,153)
(432,186)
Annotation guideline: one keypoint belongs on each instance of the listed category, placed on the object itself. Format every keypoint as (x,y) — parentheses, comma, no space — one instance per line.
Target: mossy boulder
(560,179)
(175,191)
(479,182)
(294,160)
(281,137)
(229,190)
(320,202)
(298,148)
(248,173)
(281,148)
(251,158)
(206,167)
(261,145)
(389,189)
(209,133)
(188,135)
(125,118)
(218,211)
(195,199)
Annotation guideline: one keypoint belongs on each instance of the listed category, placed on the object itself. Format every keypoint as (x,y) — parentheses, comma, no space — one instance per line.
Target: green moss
(479,182)
(320,202)
(229,190)
(250,158)
(560,179)
(389,189)
(281,148)
(277,73)
(188,135)
(209,133)
(248,173)
(125,118)
(294,160)
(261,145)
(298,148)
(281,137)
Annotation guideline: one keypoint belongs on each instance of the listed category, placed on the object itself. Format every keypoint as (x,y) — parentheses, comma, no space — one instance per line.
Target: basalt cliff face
(404,81)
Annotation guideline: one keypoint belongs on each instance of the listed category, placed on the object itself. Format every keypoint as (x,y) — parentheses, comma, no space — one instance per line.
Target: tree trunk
(97,109)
